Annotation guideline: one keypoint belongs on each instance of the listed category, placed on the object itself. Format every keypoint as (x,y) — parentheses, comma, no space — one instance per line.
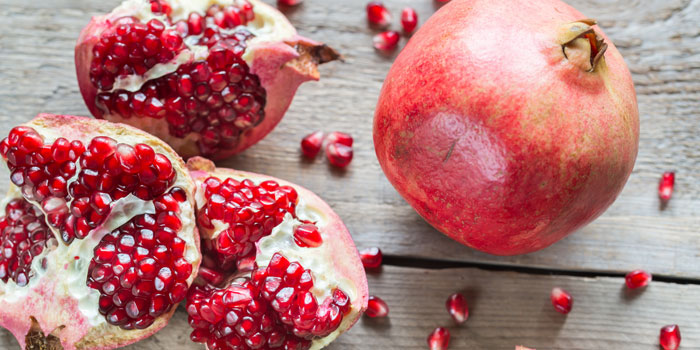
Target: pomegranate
(508,125)
(99,242)
(209,77)
(280,270)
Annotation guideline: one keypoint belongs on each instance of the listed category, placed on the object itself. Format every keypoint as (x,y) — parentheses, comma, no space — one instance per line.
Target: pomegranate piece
(377,14)
(289,2)
(371,258)
(202,81)
(338,154)
(376,307)
(637,279)
(666,184)
(93,236)
(279,268)
(409,20)
(386,41)
(670,337)
(439,339)
(457,308)
(561,300)
(311,144)
(339,137)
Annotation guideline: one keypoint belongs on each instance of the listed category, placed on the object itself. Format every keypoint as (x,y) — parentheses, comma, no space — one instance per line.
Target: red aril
(666,184)
(338,154)
(409,20)
(439,339)
(376,307)
(311,144)
(520,347)
(457,308)
(378,15)
(637,279)
(670,337)
(280,269)
(210,78)
(289,2)
(561,300)
(97,231)
(371,258)
(479,148)
(339,137)
(386,41)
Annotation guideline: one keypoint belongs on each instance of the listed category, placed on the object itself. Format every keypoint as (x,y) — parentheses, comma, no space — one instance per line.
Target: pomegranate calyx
(581,44)
(311,55)
(35,338)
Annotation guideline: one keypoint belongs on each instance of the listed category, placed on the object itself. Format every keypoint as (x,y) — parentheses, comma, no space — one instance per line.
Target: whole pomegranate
(209,77)
(98,235)
(280,270)
(508,124)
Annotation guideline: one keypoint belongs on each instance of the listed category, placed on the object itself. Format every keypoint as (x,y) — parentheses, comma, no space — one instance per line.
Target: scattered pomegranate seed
(561,300)
(457,307)
(670,337)
(409,20)
(339,137)
(377,14)
(386,41)
(311,144)
(439,339)
(376,307)
(520,347)
(289,2)
(637,279)
(666,185)
(307,235)
(339,155)
(371,257)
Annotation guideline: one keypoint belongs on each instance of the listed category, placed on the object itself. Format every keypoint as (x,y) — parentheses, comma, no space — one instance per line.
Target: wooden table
(508,296)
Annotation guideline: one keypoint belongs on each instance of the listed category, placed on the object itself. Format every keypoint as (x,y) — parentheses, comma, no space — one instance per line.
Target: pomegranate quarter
(210,78)
(507,125)
(280,270)
(99,242)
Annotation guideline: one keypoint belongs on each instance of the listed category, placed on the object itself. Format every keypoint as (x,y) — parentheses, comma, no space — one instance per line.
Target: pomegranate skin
(494,136)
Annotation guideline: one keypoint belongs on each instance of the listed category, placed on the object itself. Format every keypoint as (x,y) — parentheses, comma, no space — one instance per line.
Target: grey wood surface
(660,39)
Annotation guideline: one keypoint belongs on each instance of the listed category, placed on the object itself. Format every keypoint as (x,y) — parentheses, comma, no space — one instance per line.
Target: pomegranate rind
(43,301)
(345,258)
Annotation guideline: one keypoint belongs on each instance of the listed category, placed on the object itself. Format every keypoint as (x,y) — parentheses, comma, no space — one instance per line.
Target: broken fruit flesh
(97,235)
(280,270)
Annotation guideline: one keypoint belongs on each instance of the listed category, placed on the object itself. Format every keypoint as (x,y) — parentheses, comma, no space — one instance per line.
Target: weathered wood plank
(660,39)
(506,309)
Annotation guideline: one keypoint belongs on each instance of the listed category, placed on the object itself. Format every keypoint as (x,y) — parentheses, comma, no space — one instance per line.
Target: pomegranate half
(280,270)
(507,125)
(209,77)
(98,235)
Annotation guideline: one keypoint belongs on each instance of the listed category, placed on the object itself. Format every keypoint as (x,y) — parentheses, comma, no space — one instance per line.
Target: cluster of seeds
(23,236)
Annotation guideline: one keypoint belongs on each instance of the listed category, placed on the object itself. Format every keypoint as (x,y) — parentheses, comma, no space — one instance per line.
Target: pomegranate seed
(376,307)
(637,279)
(520,347)
(439,339)
(307,235)
(666,185)
(339,155)
(371,257)
(457,307)
(377,14)
(311,144)
(339,137)
(409,20)
(670,337)
(561,300)
(386,41)
(289,2)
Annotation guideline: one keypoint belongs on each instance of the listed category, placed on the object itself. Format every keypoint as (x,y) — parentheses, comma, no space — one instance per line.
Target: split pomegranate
(561,300)
(409,20)
(670,337)
(377,14)
(637,279)
(99,242)
(376,307)
(439,339)
(311,144)
(666,185)
(208,77)
(386,41)
(508,125)
(280,269)
(371,258)
(457,308)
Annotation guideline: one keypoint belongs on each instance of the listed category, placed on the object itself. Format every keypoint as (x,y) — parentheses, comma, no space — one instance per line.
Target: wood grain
(506,309)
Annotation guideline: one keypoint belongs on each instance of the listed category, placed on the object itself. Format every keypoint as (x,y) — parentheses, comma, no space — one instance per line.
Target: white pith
(318,260)
(269,25)
(69,274)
